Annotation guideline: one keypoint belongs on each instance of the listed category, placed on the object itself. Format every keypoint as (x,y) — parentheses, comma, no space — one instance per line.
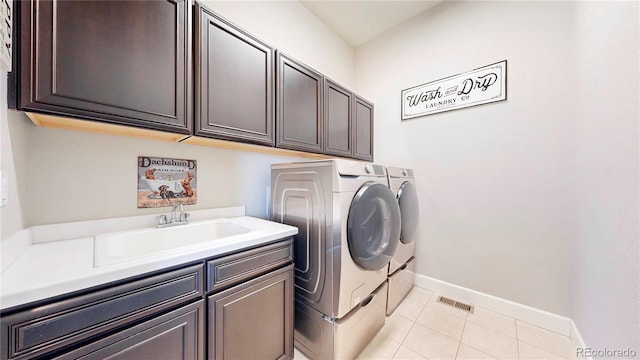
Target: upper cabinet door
(338,120)
(234,82)
(363,129)
(124,62)
(299,108)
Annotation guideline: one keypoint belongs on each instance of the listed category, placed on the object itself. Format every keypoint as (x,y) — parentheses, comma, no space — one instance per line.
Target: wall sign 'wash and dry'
(480,86)
(166,182)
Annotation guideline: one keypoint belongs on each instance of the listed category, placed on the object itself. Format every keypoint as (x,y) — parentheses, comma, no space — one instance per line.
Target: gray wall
(605,283)
(82,176)
(14,150)
(534,199)
(492,180)
(15,133)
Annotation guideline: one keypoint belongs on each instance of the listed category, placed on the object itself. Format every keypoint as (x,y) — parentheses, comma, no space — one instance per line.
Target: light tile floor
(422,328)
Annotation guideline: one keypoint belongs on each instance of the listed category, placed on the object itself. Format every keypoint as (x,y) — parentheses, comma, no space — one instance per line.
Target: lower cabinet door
(176,335)
(253,320)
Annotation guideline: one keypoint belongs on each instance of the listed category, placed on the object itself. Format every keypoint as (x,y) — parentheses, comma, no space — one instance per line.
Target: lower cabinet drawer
(177,335)
(234,269)
(46,328)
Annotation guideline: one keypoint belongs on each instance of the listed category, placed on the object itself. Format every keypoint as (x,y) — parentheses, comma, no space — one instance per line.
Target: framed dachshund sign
(5,34)
(166,182)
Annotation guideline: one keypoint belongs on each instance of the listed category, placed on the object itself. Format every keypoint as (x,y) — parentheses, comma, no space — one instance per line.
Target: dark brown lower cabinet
(59,326)
(177,335)
(253,320)
(248,298)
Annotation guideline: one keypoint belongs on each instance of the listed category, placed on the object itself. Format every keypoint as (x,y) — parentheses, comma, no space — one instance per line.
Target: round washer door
(409,212)
(373,226)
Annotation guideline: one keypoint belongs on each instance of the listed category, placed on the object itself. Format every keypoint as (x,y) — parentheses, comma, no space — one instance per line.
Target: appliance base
(318,337)
(400,284)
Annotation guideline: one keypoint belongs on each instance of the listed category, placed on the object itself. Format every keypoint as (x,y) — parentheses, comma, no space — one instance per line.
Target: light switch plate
(4,189)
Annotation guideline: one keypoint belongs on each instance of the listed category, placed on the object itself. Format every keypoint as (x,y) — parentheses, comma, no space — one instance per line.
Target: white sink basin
(122,246)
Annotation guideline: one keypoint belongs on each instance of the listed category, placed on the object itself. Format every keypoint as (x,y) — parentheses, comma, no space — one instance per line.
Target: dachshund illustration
(186,185)
(150,174)
(165,193)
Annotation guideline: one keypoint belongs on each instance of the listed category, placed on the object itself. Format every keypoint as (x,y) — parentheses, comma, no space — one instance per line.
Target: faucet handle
(162,219)
(184,217)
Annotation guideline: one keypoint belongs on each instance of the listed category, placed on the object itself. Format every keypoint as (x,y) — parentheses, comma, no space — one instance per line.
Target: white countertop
(51,265)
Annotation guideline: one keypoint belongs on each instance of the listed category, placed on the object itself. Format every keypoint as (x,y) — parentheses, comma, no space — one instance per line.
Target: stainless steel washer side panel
(313,333)
(400,284)
(335,182)
(321,338)
(301,198)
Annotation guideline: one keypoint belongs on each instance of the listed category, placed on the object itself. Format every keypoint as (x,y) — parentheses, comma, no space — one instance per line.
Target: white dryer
(349,228)
(402,265)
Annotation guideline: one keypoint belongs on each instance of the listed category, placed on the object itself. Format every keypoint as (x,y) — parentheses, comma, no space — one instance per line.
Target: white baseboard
(541,318)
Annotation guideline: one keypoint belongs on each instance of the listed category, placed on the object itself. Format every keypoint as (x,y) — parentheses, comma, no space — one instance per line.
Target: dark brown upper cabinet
(363,129)
(299,106)
(123,62)
(234,82)
(338,104)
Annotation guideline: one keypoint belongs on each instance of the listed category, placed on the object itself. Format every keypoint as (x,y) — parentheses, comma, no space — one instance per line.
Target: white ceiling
(362,20)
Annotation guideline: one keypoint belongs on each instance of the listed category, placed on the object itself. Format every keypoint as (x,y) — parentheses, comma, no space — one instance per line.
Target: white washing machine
(349,227)
(402,265)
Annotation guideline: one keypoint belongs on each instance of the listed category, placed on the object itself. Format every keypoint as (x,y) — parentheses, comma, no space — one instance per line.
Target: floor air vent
(459,305)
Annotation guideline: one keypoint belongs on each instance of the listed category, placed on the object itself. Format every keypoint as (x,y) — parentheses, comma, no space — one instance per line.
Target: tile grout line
(516,337)
(468,317)
(394,354)
(469,346)
(494,331)
(538,347)
(543,349)
(439,332)
(413,324)
(461,335)
(407,334)
(486,327)
(405,337)
(445,335)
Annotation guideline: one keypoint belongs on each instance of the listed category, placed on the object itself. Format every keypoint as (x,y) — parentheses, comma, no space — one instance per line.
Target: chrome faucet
(177,210)
(178,217)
